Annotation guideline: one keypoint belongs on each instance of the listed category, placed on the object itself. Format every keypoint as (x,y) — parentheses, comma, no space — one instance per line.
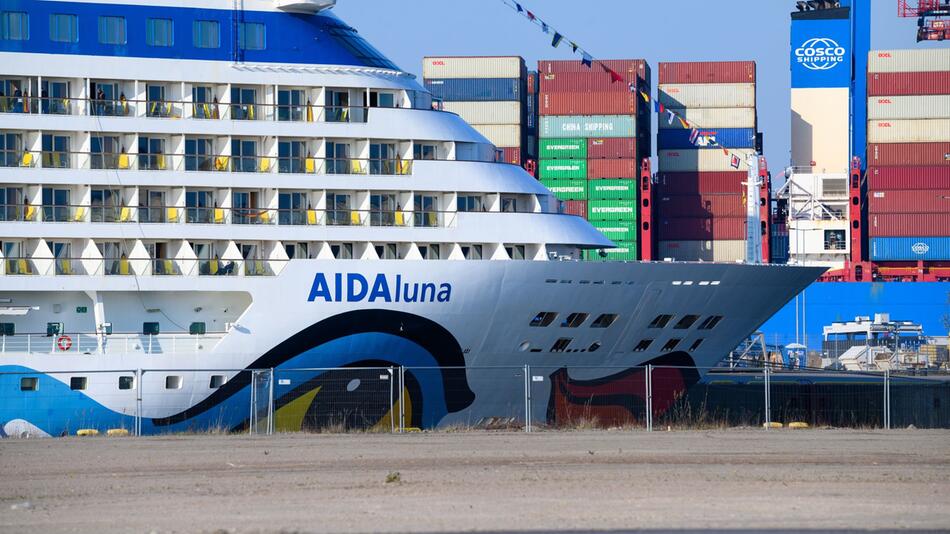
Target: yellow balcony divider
(124,161)
(221,163)
(402,167)
(400,219)
(123,266)
(23,266)
(310,165)
(168,266)
(65,266)
(213,267)
(80,214)
(218,216)
(30,213)
(160,161)
(433,218)
(250,112)
(311,217)
(125,215)
(172,214)
(356,167)
(27,160)
(355,218)
(309,113)
(264,217)
(264,165)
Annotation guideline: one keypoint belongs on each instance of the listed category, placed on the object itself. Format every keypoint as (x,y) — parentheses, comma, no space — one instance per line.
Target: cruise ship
(196,190)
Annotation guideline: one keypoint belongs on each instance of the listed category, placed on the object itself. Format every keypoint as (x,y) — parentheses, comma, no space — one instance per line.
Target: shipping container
(501,134)
(505,112)
(910,248)
(701,228)
(562,168)
(909,224)
(707,72)
(722,250)
(909,107)
(475,89)
(628,68)
(710,118)
(612,168)
(588,126)
(532,82)
(623,252)
(580,82)
(611,210)
(618,231)
(908,131)
(563,148)
(612,189)
(691,183)
(708,205)
(473,67)
(578,103)
(701,160)
(913,201)
(937,59)
(575,207)
(511,155)
(567,189)
(908,83)
(821,129)
(707,138)
(908,178)
(708,95)
(886,154)
(612,147)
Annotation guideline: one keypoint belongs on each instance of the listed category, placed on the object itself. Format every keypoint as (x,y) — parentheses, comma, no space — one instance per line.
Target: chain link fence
(520,398)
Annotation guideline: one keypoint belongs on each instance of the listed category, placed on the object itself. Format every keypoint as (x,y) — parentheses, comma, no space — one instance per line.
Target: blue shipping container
(910,248)
(707,138)
(475,89)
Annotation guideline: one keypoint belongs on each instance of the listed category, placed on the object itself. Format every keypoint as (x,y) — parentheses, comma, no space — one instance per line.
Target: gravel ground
(812,479)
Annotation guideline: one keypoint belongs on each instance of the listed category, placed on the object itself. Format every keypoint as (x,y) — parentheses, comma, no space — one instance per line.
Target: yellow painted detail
(289,418)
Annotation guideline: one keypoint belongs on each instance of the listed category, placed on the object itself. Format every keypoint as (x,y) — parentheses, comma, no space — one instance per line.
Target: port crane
(933,23)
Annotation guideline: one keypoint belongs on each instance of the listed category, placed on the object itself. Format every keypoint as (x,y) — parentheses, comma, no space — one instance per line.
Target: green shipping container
(562,168)
(625,251)
(572,127)
(563,149)
(612,189)
(565,189)
(618,230)
(612,210)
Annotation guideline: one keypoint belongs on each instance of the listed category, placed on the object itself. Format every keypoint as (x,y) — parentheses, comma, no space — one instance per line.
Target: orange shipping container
(582,103)
(612,168)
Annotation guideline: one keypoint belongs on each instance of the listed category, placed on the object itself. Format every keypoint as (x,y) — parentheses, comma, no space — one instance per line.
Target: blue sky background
(673,30)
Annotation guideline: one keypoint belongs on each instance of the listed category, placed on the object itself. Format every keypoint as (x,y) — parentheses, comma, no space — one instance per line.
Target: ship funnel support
(305,6)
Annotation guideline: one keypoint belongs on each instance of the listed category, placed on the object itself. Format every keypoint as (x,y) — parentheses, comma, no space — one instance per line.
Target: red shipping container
(915,201)
(511,155)
(689,183)
(578,82)
(909,225)
(577,103)
(612,147)
(709,205)
(532,83)
(612,168)
(906,178)
(707,72)
(898,154)
(701,228)
(628,68)
(908,83)
(575,207)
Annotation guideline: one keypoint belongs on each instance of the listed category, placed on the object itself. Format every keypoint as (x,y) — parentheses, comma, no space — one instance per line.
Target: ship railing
(183,109)
(120,343)
(123,161)
(139,266)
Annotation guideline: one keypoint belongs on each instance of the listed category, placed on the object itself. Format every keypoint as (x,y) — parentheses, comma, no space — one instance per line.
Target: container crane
(932,24)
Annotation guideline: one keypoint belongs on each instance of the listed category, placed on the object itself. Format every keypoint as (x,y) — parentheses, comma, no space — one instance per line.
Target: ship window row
(116,257)
(125,382)
(564,345)
(573,320)
(685,322)
(149,328)
(644,344)
(196,100)
(113,30)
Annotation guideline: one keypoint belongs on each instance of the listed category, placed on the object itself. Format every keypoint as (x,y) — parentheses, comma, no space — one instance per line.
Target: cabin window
(671,344)
(574,320)
(7,329)
(206,34)
(604,320)
(160,32)
(695,344)
(29,383)
(217,381)
(112,31)
(710,322)
(561,344)
(543,319)
(126,382)
(594,346)
(251,36)
(660,321)
(685,322)
(150,329)
(197,329)
(77,383)
(14,26)
(63,28)
(172,382)
(643,345)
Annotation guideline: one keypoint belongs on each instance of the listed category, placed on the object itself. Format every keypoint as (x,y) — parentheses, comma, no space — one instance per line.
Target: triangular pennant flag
(725,151)
(614,77)
(557,39)
(544,26)
(735,162)
(587,60)
(530,15)
(672,116)
(646,97)
(520,9)
(693,136)
(662,107)
(573,47)
(683,122)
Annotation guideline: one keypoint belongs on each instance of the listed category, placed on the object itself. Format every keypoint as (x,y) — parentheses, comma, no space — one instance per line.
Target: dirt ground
(479,481)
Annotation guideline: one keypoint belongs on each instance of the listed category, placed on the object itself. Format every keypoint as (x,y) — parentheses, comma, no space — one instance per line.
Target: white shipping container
(909,131)
(720,250)
(707,95)
(909,107)
(821,129)
(472,67)
(925,60)
(701,160)
(486,112)
(500,135)
(711,118)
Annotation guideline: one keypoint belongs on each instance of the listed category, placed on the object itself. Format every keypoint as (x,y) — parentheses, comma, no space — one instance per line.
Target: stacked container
(490,93)
(531,118)
(592,134)
(699,197)
(909,155)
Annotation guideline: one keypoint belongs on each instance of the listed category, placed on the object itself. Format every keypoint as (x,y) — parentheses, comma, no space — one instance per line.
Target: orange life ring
(64,342)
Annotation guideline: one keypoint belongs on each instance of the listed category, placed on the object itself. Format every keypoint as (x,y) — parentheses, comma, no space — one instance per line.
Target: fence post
(392,416)
(402,405)
(649,398)
(138,402)
(768,398)
(887,399)
(527,398)
(252,417)
(270,404)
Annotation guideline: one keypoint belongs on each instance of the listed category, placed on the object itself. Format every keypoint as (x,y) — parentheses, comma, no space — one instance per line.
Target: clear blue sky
(670,30)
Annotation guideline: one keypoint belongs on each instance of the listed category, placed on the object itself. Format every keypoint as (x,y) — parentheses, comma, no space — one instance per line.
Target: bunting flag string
(588,60)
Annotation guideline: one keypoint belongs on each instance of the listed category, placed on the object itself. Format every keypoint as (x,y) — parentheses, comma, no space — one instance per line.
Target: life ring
(64,342)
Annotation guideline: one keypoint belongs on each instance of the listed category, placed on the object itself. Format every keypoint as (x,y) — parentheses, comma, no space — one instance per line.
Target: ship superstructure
(194,189)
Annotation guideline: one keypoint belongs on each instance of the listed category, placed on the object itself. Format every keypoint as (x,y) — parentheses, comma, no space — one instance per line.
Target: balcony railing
(125,266)
(85,343)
